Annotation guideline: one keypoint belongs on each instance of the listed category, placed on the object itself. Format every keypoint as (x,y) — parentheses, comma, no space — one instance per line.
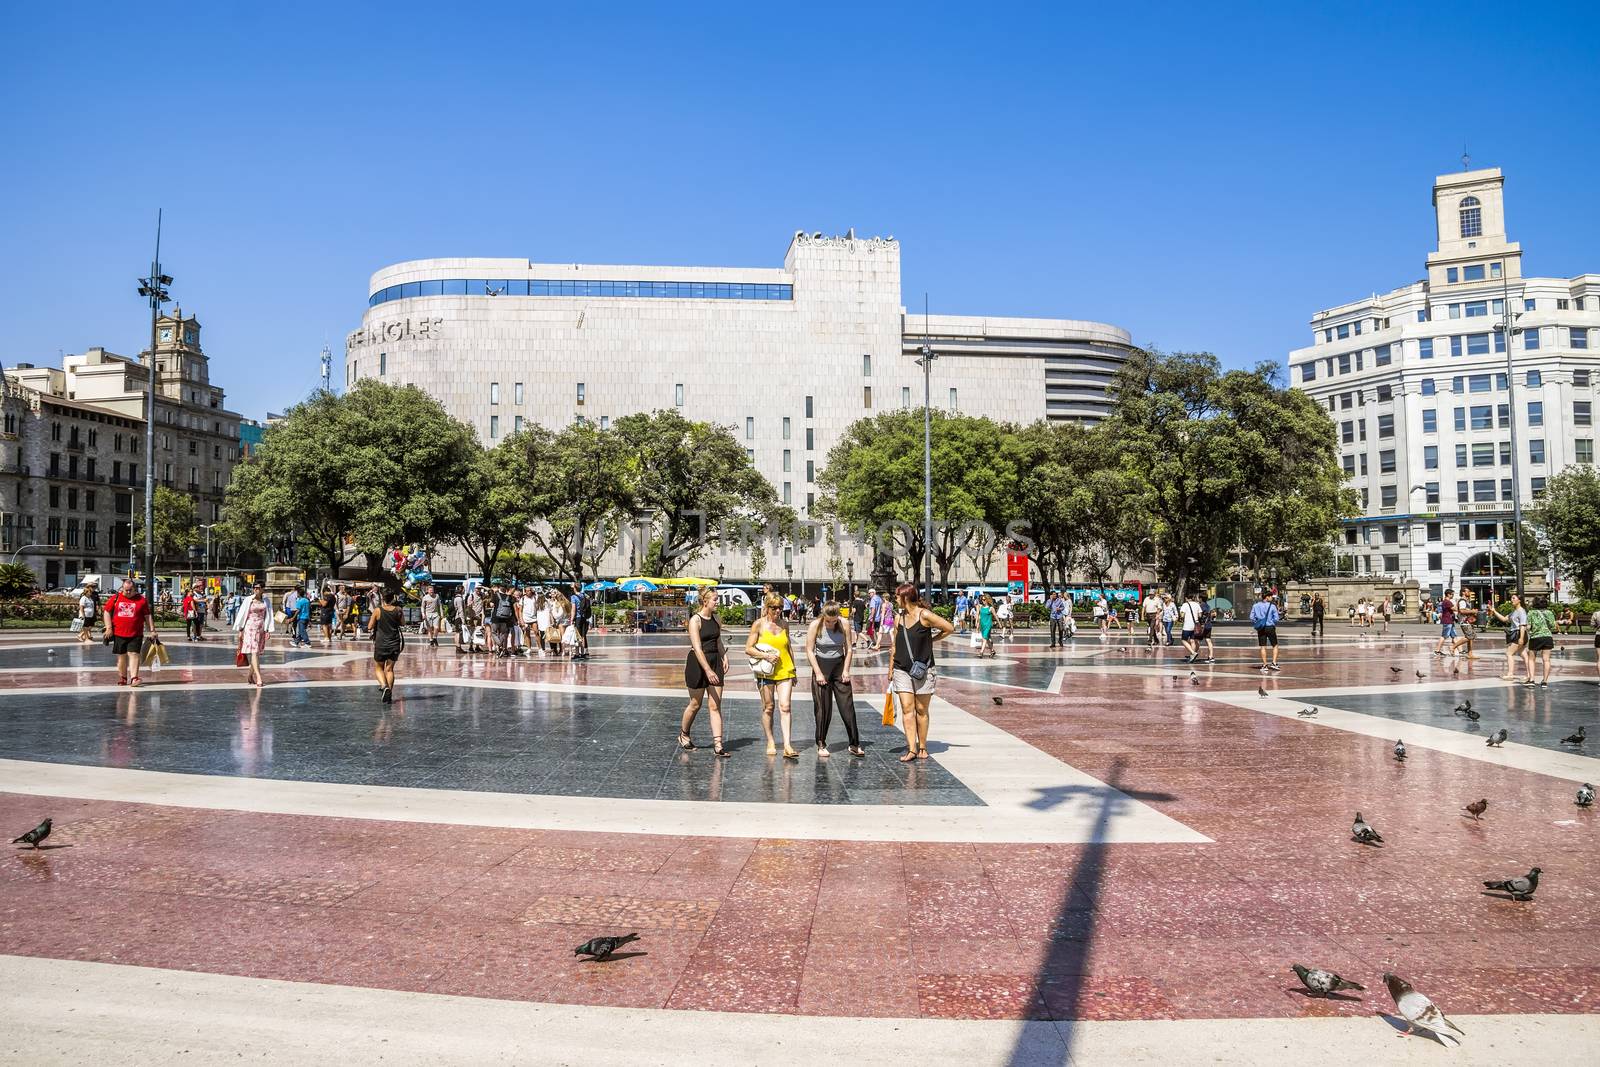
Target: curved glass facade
(551,287)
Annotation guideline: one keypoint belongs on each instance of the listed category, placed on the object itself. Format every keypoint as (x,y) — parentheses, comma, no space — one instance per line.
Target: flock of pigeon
(1414,1007)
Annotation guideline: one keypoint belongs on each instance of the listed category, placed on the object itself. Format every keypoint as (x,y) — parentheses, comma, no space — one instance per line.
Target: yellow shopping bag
(155,655)
(888,709)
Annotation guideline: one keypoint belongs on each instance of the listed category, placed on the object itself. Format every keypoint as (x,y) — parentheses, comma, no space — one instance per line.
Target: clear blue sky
(1206,180)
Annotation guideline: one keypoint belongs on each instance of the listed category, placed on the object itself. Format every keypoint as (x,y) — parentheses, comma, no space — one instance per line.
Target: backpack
(503,611)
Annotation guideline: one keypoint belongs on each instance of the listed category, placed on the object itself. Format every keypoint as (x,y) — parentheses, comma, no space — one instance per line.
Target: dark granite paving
(69,652)
(1539,717)
(455,737)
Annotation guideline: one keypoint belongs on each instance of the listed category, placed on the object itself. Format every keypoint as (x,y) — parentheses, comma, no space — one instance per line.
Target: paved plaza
(1110,857)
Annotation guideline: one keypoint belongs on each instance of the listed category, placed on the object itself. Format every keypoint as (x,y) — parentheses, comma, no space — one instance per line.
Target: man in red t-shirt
(128,616)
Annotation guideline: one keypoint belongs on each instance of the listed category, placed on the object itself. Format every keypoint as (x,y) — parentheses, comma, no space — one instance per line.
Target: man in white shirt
(1189,615)
(1003,613)
(1152,617)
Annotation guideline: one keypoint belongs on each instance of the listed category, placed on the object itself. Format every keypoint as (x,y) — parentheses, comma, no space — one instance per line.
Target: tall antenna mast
(327,367)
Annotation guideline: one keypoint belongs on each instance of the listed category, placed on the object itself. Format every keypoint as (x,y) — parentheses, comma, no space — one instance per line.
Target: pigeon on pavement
(1575,739)
(1364,833)
(997,700)
(1419,676)
(1307,713)
(1519,888)
(1472,715)
(1418,1010)
(1261,691)
(1477,808)
(34,836)
(1497,738)
(1585,795)
(1463,707)
(600,948)
(1400,750)
(1394,670)
(1321,982)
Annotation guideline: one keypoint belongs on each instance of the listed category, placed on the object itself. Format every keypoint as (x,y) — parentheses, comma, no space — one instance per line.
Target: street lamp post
(926,363)
(155,288)
(206,526)
(1509,330)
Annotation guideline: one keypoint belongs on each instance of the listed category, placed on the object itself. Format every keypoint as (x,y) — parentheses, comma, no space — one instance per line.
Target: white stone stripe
(59,1012)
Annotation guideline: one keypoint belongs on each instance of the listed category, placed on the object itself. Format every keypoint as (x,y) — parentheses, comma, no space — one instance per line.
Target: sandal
(857,751)
(772,749)
(908,757)
(122,679)
(789,753)
(716,746)
(822,752)
(685,743)
(922,753)
(136,680)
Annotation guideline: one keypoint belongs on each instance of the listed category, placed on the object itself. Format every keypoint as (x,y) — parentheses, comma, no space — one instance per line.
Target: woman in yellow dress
(772,662)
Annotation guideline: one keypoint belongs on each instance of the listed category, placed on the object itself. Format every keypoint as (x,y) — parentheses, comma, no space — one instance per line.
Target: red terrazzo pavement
(958,930)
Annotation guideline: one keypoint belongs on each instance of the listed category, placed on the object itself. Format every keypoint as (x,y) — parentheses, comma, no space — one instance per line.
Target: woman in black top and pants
(388,638)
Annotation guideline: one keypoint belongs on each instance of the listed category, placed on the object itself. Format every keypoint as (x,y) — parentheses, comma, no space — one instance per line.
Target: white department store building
(1430,401)
(788,357)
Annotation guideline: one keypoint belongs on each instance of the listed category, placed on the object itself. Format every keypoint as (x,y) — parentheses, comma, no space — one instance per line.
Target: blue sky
(1205,179)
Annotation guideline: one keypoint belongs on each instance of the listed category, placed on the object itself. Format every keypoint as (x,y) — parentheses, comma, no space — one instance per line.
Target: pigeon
(1394,670)
(1585,795)
(600,948)
(1575,739)
(1419,676)
(1418,1010)
(34,836)
(1307,713)
(1497,738)
(1321,982)
(1363,833)
(1260,691)
(1456,669)
(1463,707)
(997,700)
(1194,679)
(1519,888)
(1471,715)
(1400,750)
(1477,808)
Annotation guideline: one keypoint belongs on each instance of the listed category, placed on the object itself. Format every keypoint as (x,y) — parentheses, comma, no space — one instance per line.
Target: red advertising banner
(1017,574)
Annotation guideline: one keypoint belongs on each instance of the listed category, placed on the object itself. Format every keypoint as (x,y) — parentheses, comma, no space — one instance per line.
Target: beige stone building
(786,356)
(72,454)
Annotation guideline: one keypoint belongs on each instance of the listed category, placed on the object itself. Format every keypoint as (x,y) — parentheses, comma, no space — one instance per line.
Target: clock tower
(181,366)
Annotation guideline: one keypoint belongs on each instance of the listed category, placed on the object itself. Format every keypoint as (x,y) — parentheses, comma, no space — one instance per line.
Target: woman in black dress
(704,672)
(388,638)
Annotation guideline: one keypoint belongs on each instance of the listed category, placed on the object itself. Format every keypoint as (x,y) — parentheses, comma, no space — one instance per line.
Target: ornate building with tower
(1433,400)
(72,454)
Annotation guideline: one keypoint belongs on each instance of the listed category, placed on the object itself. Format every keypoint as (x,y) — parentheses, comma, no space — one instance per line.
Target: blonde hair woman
(704,672)
(912,674)
(768,643)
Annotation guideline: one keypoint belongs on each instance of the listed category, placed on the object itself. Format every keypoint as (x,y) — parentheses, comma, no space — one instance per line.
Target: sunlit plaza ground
(1109,857)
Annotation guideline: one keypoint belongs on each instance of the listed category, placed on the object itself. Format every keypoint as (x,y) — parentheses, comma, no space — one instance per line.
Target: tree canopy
(1568,517)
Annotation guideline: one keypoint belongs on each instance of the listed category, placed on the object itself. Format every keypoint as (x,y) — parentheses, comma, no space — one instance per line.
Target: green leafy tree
(499,505)
(1072,497)
(376,468)
(1568,517)
(174,524)
(521,566)
(585,488)
(696,482)
(1203,448)
(16,580)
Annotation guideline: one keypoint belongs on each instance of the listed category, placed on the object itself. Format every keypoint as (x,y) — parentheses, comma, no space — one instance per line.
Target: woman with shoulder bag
(1516,625)
(773,665)
(912,674)
(704,672)
(388,639)
(254,622)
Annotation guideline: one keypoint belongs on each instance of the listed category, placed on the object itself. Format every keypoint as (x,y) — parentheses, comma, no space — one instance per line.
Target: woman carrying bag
(254,623)
(912,674)
(773,665)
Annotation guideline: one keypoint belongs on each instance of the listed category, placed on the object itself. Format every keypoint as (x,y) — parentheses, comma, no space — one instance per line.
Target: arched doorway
(1489,576)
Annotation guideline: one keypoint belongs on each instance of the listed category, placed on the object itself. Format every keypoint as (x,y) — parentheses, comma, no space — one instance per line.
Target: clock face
(188,335)
(166,335)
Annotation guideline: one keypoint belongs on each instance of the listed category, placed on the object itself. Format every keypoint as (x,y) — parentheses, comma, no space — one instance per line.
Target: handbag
(763,668)
(77,626)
